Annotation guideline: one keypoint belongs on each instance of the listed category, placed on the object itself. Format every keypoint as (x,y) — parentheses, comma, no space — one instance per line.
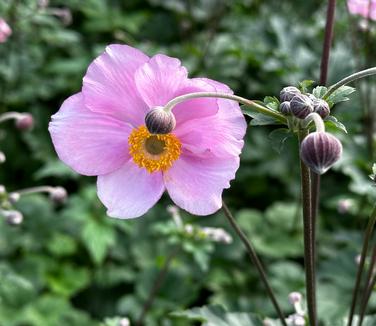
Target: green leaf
(340,95)
(271,102)
(217,316)
(331,122)
(278,138)
(258,119)
(305,84)
(98,237)
(319,91)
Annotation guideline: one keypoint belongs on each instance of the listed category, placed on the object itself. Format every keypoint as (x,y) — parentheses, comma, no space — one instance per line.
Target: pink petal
(195,108)
(90,143)
(158,80)
(196,184)
(220,134)
(109,85)
(130,191)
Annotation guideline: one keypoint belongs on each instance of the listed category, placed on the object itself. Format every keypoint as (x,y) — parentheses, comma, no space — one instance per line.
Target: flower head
(101,132)
(364,8)
(5,31)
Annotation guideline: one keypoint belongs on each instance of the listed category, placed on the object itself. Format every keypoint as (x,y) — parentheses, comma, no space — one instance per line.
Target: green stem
(255,260)
(259,108)
(367,237)
(368,286)
(349,79)
(309,241)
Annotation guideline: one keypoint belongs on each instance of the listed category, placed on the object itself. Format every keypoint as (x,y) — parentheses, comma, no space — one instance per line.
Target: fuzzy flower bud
(124,322)
(295,297)
(284,107)
(344,206)
(13,217)
(14,197)
(301,105)
(287,93)
(58,195)
(5,31)
(321,107)
(320,150)
(158,121)
(25,122)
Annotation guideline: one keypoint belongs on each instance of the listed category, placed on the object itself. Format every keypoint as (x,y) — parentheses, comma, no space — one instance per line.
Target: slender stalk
(349,79)
(262,109)
(255,260)
(156,287)
(309,241)
(10,115)
(368,287)
(367,237)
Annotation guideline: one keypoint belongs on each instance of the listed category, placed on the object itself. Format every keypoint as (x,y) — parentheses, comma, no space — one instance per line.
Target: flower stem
(255,260)
(157,285)
(258,107)
(367,238)
(10,115)
(349,79)
(368,286)
(309,241)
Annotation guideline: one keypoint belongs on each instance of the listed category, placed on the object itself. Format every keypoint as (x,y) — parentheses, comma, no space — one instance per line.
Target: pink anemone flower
(364,8)
(5,30)
(101,132)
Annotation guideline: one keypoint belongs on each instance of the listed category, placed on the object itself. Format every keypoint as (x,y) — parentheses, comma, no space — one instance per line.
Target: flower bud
(288,93)
(284,107)
(295,297)
(13,217)
(158,121)
(320,150)
(2,157)
(321,107)
(124,322)
(25,122)
(3,191)
(344,206)
(14,197)
(58,195)
(301,105)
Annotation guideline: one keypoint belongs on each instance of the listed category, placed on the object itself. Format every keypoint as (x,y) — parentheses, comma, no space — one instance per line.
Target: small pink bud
(13,217)
(5,31)
(295,297)
(321,107)
(158,121)
(58,195)
(25,122)
(320,150)
(344,206)
(14,197)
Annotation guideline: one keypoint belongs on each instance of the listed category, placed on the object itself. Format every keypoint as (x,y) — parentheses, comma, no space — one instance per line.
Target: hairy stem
(309,241)
(258,107)
(255,260)
(156,287)
(367,237)
(349,79)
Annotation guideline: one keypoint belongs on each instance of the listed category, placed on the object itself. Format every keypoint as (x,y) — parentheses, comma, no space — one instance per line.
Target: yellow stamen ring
(153,152)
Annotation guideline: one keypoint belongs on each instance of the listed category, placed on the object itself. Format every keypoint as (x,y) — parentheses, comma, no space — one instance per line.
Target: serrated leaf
(98,237)
(217,316)
(340,95)
(332,123)
(278,138)
(305,84)
(319,91)
(271,102)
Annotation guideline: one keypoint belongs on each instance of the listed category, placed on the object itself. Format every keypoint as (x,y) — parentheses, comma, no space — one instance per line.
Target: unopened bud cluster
(213,234)
(299,105)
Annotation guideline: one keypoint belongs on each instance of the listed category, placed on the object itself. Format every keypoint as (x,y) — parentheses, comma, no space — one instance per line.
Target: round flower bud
(301,105)
(158,121)
(14,197)
(25,122)
(284,107)
(295,297)
(287,93)
(13,217)
(2,157)
(320,150)
(58,195)
(321,107)
(3,191)
(299,321)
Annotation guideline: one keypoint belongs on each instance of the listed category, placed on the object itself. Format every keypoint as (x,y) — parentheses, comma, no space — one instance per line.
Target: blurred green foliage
(72,265)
